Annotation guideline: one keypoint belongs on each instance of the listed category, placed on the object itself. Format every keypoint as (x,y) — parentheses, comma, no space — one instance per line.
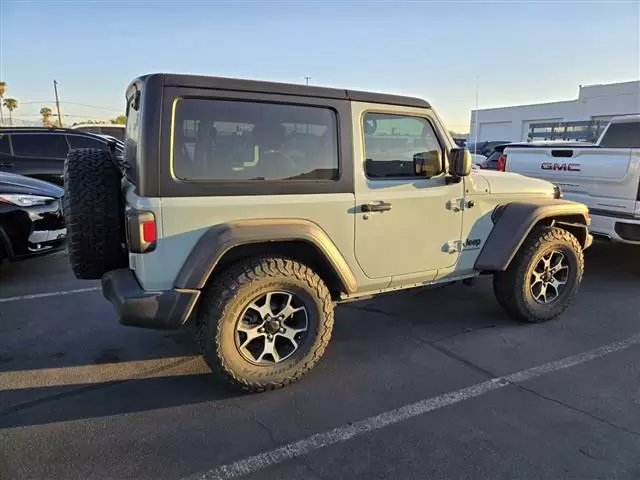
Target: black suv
(39,152)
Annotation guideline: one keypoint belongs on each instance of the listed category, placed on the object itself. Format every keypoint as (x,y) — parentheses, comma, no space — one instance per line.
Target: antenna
(307,79)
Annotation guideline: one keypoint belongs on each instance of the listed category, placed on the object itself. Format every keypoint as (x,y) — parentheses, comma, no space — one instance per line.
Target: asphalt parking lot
(429,384)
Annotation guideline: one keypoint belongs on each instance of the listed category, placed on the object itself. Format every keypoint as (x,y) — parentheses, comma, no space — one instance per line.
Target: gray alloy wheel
(549,277)
(271,327)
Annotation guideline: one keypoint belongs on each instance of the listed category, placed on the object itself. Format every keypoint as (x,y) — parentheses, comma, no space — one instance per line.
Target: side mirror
(427,164)
(460,162)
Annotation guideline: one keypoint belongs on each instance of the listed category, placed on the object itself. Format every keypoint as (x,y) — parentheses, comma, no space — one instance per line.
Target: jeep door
(406,225)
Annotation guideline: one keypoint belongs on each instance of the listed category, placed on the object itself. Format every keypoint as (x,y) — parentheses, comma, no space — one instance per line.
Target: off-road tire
(94,213)
(512,287)
(229,295)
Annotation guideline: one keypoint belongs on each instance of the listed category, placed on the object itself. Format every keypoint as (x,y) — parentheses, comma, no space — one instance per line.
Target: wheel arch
(513,222)
(6,249)
(224,244)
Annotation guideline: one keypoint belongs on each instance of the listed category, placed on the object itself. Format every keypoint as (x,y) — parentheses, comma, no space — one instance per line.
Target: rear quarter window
(40,145)
(222,140)
(115,132)
(80,141)
(622,135)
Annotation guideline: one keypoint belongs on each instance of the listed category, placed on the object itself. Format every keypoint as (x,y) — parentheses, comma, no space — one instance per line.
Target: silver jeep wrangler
(250,209)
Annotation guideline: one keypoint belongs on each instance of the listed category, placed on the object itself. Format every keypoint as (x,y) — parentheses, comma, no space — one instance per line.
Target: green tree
(11,104)
(47,116)
(120,120)
(3,89)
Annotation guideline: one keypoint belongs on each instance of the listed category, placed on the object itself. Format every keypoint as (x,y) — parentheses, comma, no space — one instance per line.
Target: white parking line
(49,294)
(346,432)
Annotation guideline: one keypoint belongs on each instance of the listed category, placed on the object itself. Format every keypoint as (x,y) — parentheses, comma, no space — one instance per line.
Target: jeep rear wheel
(265,323)
(543,278)
(94,213)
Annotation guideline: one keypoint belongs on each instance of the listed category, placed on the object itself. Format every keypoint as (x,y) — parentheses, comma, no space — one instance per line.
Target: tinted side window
(41,145)
(89,129)
(115,132)
(622,135)
(391,141)
(4,145)
(80,141)
(240,141)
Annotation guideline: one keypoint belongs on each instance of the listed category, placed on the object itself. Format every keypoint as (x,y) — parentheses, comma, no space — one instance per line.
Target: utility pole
(307,79)
(475,135)
(55,89)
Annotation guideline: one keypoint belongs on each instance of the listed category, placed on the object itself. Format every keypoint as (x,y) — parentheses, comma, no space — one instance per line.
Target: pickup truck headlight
(557,192)
(24,200)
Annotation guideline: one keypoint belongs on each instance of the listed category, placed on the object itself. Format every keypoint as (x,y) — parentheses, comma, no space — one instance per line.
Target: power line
(70,103)
(38,114)
(94,106)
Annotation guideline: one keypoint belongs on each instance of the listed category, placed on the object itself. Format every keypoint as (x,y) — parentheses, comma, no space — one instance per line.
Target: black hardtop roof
(237,84)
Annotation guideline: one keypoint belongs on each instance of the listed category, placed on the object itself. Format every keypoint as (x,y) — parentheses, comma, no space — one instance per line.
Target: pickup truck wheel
(543,278)
(265,323)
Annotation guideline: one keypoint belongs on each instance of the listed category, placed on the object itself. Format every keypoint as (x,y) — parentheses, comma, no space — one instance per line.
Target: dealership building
(594,103)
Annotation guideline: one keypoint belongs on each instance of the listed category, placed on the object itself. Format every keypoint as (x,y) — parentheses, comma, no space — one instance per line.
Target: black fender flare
(220,239)
(514,221)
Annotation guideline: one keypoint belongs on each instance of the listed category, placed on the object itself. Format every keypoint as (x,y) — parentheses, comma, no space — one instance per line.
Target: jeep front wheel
(543,278)
(265,323)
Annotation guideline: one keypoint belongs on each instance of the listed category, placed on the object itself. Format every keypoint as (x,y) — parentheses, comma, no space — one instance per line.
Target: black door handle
(7,164)
(376,207)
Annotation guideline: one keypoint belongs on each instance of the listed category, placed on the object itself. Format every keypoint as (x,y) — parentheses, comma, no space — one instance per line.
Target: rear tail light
(149,232)
(502,163)
(142,232)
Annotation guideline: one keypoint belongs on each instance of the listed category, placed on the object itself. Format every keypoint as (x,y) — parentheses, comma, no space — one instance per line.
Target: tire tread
(509,285)
(216,304)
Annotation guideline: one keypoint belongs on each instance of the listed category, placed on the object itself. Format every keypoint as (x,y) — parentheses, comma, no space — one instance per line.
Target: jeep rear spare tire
(94,213)
(265,322)
(544,276)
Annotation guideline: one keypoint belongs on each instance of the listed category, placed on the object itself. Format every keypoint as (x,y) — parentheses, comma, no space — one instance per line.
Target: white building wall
(594,102)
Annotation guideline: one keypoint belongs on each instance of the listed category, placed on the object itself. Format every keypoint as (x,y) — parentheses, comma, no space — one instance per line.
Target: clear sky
(524,52)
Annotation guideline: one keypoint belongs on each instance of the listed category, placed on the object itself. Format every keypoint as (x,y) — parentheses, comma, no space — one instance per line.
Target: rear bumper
(167,310)
(615,228)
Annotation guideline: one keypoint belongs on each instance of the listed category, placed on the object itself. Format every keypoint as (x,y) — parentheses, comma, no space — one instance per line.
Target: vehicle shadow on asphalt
(417,319)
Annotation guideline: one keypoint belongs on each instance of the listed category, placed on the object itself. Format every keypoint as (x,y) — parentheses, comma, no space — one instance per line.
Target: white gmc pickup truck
(605,176)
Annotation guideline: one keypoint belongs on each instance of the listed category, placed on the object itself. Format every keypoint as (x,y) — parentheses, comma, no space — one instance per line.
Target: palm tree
(47,116)
(3,89)
(11,104)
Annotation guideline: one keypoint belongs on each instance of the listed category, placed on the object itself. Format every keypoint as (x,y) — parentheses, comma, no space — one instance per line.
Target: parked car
(485,148)
(249,211)
(39,152)
(605,176)
(111,129)
(31,219)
